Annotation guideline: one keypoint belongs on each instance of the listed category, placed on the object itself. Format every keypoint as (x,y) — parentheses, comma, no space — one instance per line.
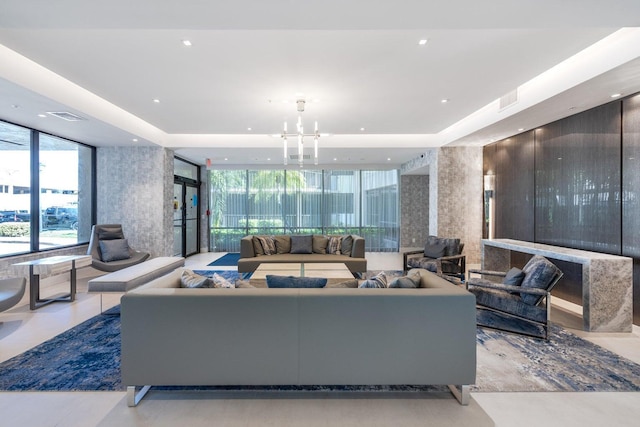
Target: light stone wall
(454,195)
(135,189)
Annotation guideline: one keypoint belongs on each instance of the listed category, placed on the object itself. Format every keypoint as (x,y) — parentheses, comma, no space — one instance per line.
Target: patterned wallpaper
(135,189)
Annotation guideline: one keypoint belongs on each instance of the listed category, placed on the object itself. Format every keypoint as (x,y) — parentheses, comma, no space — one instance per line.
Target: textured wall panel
(135,189)
(414,210)
(459,194)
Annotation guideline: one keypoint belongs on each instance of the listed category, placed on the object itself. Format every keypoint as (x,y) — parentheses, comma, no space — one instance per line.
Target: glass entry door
(185,219)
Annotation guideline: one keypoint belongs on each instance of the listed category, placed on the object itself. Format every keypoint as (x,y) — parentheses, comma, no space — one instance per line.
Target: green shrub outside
(14,229)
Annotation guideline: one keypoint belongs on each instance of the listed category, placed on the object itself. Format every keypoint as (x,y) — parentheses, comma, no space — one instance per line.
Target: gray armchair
(11,292)
(110,250)
(523,297)
(442,256)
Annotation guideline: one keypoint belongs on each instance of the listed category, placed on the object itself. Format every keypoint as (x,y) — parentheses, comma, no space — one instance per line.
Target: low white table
(333,272)
(51,266)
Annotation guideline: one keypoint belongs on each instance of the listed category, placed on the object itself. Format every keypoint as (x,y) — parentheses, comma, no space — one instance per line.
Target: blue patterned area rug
(230,259)
(87,357)
(230,275)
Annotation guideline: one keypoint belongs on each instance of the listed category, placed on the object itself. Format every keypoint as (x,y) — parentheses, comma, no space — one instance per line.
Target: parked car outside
(60,217)
(15,216)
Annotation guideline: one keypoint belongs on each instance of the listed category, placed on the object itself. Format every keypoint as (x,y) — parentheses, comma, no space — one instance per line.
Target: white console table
(607,280)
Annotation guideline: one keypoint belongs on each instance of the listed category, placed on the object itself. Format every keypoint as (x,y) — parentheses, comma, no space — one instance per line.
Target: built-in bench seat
(131,277)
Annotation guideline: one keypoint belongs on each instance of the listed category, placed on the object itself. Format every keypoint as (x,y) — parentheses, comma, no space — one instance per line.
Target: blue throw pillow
(302,244)
(274,281)
(114,250)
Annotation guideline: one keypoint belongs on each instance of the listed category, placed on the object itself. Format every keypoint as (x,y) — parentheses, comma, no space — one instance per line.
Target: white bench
(131,277)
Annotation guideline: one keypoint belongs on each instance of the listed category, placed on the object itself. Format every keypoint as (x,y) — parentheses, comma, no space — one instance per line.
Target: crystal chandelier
(300,135)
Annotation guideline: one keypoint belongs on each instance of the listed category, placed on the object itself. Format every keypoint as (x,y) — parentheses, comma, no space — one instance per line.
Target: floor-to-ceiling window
(304,202)
(46,191)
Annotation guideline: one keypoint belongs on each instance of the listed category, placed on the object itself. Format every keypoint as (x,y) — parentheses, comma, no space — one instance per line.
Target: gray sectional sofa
(351,252)
(327,336)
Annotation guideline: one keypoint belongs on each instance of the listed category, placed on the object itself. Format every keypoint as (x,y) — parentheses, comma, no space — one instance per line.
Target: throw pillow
(114,250)
(257,246)
(435,249)
(274,281)
(302,244)
(268,244)
(539,272)
(110,233)
(377,281)
(221,282)
(333,247)
(283,244)
(412,280)
(346,245)
(319,244)
(514,277)
(189,279)
(353,283)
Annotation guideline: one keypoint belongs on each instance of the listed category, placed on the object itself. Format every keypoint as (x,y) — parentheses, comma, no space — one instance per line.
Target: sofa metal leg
(463,395)
(134,398)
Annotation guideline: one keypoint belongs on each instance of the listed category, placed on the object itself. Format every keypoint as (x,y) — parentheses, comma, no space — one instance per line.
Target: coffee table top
(333,270)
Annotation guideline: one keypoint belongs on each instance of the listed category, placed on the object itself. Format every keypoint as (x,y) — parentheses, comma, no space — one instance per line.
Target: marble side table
(51,266)
(607,280)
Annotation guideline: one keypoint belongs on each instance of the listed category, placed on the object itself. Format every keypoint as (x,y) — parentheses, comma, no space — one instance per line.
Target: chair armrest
(488,272)
(461,257)
(405,257)
(506,288)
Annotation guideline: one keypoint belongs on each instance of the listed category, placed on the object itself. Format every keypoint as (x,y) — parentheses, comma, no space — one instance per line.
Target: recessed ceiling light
(361,129)
(42,115)
(15,106)
(225,159)
(135,139)
(268,159)
(388,159)
(615,95)
(422,42)
(559,158)
(335,159)
(520,129)
(249,129)
(445,100)
(186,42)
(157,101)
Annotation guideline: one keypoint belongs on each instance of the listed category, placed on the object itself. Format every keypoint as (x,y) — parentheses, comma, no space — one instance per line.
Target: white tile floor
(22,329)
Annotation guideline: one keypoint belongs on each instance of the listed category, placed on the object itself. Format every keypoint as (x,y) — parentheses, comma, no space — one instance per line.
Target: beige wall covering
(135,189)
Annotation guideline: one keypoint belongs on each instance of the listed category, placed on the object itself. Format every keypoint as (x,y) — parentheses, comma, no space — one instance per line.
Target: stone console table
(607,280)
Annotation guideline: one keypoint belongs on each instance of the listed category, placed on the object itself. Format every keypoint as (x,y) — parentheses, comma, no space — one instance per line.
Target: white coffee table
(334,271)
(50,266)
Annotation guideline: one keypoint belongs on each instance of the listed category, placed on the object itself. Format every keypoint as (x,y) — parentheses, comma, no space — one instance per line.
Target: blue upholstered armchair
(442,256)
(523,296)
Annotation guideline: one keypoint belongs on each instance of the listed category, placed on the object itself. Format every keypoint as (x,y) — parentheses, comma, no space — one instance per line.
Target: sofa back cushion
(319,244)
(283,244)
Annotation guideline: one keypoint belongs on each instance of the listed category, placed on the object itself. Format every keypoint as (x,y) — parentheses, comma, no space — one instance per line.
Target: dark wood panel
(578,181)
(514,195)
(631,177)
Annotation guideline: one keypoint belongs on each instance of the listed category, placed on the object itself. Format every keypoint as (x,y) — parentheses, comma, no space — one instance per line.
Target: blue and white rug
(87,357)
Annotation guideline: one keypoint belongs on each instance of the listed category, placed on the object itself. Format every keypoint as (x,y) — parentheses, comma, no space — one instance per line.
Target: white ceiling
(361,59)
